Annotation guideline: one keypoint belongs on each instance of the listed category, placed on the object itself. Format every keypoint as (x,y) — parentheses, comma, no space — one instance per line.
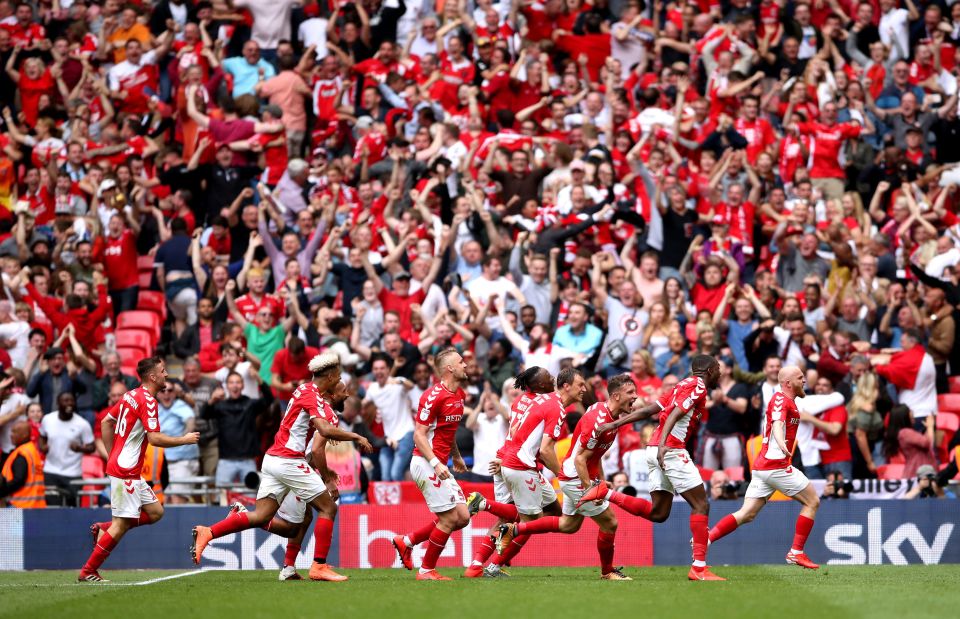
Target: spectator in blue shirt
(675,361)
(246,69)
(176,419)
(577,334)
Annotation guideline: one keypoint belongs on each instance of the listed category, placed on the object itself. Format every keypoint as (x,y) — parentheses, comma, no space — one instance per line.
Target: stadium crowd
(613,185)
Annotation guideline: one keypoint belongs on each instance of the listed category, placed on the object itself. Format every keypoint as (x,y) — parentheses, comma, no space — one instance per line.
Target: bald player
(772,470)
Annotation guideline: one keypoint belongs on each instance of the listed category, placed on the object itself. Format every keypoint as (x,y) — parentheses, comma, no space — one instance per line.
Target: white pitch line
(161,579)
(102,584)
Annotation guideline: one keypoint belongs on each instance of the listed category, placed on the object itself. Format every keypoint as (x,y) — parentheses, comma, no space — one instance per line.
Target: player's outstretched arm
(333,433)
(159,439)
(638,415)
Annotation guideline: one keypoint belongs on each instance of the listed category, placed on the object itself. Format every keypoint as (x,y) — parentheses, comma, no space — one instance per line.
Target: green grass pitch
(757,592)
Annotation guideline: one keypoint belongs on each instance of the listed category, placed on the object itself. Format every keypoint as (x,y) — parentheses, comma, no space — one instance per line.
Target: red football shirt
(780,408)
(120,261)
(585,436)
(826,147)
(690,395)
(136,414)
(441,411)
(543,415)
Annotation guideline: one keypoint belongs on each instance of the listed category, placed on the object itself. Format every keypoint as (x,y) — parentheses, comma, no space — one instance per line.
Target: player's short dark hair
(145,366)
(619,381)
(567,376)
(701,363)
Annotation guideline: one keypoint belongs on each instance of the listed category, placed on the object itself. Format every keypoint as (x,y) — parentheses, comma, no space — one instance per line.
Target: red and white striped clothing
(586,436)
(780,408)
(296,428)
(544,415)
(690,395)
(441,411)
(136,414)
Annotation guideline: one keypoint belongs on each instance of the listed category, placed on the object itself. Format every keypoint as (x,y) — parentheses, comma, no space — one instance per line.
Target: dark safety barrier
(846,532)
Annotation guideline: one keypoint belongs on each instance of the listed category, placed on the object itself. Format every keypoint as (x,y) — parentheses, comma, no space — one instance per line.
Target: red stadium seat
(153,301)
(954,383)
(128,366)
(890,471)
(735,473)
(145,264)
(131,356)
(948,423)
(139,319)
(145,279)
(134,338)
(949,402)
(705,473)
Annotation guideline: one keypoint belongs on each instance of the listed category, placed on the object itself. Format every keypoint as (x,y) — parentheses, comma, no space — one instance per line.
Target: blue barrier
(845,533)
(60,539)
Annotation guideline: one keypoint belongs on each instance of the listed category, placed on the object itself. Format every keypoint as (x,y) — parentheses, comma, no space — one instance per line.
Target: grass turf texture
(754,592)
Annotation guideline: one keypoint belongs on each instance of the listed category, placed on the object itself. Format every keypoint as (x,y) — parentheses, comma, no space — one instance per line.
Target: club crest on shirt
(152,424)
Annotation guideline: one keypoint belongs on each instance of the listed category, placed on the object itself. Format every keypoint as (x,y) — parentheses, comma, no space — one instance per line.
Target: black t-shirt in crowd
(677,234)
(722,419)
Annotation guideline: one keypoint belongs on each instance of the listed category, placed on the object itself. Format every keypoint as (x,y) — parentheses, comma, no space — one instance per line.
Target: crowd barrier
(847,532)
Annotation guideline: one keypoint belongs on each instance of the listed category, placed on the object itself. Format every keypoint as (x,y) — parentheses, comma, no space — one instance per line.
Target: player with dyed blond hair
(773,471)
(438,416)
(293,519)
(285,468)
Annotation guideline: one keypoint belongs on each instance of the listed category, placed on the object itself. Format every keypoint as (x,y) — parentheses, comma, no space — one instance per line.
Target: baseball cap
(401,274)
(273,110)
(107,184)
(364,122)
(926,470)
(720,220)
(577,164)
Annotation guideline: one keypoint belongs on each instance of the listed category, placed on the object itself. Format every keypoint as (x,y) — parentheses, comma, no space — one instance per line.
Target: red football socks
(727,525)
(698,526)
(236,521)
(322,535)
(484,550)
(100,553)
(437,540)
(804,526)
(422,534)
(290,558)
(513,548)
(631,504)
(143,519)
(505,511)
(547,524)
(605,548)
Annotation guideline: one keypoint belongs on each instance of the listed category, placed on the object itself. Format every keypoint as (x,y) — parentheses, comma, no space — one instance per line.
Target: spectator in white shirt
(389,395)
(489,422)
(64,438)
(894,24)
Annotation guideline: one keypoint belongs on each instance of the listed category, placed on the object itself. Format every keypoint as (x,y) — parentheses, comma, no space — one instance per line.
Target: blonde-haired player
(285,468)
(438,416)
